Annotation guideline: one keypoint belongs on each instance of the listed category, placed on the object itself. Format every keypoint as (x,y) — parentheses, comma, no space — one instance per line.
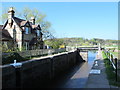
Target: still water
(91,57)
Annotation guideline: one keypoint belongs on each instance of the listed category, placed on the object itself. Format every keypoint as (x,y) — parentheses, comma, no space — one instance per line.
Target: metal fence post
(109,55)
(109,58)
(112,57)
(116,68)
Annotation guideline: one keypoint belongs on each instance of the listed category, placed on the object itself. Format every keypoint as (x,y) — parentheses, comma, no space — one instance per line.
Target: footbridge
(89,48)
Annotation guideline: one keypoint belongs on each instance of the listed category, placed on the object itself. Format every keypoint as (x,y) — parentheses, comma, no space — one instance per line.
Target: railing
(30,53)
(112,61)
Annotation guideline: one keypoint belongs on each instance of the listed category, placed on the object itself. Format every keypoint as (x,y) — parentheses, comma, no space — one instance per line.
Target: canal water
(77,77)
(91,57)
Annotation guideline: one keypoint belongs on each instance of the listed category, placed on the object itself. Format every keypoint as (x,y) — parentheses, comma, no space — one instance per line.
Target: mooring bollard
(116,68)
(18,74)
(96,63)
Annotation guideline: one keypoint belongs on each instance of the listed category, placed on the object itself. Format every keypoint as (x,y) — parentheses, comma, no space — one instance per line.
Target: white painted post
(49,52)
(18,74)
(99,47)
(96,63)
(14,61)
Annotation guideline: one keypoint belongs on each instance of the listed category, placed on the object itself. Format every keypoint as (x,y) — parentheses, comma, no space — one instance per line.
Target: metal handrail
(114,65)
(111,59)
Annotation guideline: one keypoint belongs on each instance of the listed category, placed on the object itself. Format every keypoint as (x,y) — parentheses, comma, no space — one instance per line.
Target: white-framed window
(27,30)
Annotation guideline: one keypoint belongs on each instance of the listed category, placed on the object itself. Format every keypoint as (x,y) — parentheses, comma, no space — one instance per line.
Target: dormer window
(27,30)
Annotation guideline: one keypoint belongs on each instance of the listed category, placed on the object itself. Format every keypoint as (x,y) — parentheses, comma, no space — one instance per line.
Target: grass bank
(110,72)
(115,53)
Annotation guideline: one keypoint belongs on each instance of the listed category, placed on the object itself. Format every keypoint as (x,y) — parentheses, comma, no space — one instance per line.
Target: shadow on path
(74,78)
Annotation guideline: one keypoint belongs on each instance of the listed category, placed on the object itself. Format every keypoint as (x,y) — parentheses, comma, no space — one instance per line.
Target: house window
(38,33)
(27,30)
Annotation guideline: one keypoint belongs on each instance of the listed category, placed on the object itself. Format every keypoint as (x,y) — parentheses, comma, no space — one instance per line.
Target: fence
(112,61)
(29,53)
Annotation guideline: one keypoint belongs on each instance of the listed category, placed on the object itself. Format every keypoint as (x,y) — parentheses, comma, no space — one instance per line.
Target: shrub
(10,59)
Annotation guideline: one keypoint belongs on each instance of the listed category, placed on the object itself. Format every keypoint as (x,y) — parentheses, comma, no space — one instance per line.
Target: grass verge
(110,72)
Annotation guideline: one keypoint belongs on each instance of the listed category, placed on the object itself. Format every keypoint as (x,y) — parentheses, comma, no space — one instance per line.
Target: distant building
(21,33)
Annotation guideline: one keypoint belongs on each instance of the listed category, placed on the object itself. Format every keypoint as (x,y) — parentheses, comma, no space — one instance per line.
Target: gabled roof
(21,23)
(5,34)
(36,27)
(16,21)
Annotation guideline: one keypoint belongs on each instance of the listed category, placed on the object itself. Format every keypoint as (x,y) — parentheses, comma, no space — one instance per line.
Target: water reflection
(91,57)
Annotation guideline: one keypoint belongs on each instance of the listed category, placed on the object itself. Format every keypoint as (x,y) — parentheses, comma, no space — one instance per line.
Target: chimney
(32,20)
(10,15)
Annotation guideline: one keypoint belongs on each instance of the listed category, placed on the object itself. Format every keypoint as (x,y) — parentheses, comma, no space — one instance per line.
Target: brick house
(21,33)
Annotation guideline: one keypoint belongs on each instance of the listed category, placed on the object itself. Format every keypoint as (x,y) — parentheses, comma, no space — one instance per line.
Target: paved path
(79,76)
(98,80)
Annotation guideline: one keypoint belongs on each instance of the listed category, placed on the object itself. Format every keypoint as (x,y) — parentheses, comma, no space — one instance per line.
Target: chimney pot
(33,20)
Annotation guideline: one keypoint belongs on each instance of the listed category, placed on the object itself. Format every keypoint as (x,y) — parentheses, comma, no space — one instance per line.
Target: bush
(11,58)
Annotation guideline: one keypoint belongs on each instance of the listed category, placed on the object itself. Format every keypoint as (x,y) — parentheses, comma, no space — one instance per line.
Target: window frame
(27,30)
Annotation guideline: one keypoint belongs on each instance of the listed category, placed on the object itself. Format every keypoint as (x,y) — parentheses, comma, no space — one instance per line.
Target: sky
(77,19)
